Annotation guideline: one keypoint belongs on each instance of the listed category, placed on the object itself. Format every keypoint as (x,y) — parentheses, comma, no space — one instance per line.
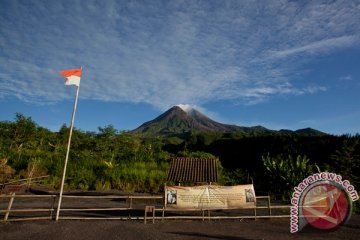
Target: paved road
(171,229)
(168,229)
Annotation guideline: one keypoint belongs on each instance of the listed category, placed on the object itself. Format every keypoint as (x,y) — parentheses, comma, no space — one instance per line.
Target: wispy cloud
(348,82)
(346,78)
(326,45)
(169,52)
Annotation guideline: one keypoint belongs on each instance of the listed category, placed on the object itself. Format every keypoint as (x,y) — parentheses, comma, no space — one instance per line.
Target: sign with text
(13,189)
(210,197)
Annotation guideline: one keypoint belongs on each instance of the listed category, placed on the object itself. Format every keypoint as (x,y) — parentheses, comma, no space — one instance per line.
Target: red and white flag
(72,76)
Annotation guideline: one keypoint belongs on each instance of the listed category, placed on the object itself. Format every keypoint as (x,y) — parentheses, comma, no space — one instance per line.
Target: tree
(347,160)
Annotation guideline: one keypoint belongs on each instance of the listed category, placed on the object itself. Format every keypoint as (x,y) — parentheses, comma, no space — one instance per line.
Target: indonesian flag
(72,76)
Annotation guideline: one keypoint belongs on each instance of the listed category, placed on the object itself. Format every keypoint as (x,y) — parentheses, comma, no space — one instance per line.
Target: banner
(210,197)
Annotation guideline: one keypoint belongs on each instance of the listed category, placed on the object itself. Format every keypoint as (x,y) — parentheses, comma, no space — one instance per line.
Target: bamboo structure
(10,209)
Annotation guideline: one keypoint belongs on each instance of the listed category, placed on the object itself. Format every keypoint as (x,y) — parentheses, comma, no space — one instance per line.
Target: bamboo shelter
(193,170)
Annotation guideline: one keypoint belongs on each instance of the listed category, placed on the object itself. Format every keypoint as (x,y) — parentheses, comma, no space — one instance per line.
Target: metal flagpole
(67,152)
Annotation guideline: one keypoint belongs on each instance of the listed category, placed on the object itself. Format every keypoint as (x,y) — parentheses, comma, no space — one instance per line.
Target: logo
(322,200)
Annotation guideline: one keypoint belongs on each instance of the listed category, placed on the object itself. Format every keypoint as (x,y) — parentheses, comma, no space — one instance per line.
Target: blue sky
(279,64)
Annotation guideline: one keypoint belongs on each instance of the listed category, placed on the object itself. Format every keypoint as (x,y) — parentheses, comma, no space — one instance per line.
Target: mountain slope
(180,123)
(177,122)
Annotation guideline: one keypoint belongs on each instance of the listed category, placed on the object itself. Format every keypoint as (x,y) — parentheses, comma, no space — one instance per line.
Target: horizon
(186,108)
(282,65)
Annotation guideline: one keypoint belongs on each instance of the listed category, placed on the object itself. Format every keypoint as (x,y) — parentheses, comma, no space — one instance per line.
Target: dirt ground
(171,229)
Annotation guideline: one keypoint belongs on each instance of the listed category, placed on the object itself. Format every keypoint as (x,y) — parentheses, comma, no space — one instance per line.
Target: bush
(286,173)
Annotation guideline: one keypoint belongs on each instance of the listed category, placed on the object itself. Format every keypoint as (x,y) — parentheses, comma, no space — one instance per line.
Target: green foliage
(233,177)
(139,176)
(195,154)
(113,159)
(286,173)
(346,161)
(108,159)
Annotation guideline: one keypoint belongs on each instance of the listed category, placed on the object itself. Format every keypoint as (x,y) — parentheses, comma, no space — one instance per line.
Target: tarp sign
(210,197)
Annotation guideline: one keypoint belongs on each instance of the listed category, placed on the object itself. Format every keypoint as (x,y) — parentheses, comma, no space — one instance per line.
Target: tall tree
(347,160)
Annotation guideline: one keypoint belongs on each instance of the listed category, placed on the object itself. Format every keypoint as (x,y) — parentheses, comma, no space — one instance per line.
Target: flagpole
(67,152)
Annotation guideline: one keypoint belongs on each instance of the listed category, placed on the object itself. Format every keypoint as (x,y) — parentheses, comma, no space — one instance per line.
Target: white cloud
(186,107)
(163,53)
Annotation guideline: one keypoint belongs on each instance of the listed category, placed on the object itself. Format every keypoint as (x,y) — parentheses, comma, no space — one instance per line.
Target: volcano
(178,121)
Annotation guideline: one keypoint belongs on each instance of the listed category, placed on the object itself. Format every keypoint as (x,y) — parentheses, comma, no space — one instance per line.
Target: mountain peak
(186,107)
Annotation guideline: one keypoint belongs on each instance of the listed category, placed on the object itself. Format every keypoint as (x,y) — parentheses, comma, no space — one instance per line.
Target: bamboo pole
(9,207)
(67,153)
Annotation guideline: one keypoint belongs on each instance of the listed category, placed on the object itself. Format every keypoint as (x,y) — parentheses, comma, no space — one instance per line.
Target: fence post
(9,206)
(269,205)
(255,206)
(52,206)
(150,209)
